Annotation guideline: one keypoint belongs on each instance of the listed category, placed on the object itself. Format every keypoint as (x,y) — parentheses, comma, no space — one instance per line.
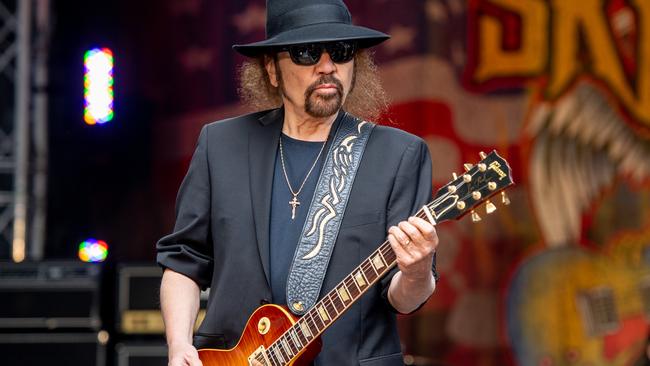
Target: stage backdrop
(560,88)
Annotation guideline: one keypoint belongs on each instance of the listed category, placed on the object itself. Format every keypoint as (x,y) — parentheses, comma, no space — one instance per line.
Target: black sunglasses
(309,53)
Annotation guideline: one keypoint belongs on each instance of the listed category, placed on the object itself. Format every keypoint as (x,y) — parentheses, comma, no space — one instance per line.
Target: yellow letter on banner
(586,17)
(530,59)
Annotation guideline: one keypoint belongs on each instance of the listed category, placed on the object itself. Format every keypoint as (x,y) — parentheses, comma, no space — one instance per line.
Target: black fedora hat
(304,21)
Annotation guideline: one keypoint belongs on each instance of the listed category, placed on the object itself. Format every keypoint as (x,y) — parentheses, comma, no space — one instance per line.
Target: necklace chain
(294,202)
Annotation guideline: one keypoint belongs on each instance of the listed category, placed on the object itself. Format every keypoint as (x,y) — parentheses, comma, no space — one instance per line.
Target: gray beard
(320,106)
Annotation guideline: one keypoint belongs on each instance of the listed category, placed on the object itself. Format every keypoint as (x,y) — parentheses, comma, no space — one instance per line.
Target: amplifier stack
(51,314)
(74,313)
(138,300)
(139,320)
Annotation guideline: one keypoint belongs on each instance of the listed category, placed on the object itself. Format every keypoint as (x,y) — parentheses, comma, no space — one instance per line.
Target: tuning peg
(468,166)
(476,195)
(490,207)
(467,178)
(475,216)
(454,175)
(451,189)
(460,205)
(492,186)
(482,167)
(482,155)
(504,199)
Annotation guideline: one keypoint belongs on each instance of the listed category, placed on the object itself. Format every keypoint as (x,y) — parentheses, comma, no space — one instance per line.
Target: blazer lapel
(262,148)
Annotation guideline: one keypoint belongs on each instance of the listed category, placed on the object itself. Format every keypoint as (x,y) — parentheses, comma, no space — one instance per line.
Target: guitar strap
(321,228)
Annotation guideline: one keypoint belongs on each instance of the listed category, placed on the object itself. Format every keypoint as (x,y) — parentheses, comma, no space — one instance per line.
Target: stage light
(93,250)
(98,86)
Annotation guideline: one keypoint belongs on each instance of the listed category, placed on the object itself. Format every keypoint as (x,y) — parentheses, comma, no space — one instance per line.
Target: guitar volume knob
(263,325)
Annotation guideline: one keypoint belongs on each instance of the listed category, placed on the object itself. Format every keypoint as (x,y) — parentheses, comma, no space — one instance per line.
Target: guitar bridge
(260,356)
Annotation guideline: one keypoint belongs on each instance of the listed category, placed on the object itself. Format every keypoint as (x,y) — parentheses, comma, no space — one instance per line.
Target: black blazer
(221,236)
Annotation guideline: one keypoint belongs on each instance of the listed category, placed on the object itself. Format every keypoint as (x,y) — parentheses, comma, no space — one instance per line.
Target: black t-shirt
(285,231)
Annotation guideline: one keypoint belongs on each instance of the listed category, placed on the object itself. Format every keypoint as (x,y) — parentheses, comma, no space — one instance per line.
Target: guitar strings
(446,194)
(275,347)
(365,266)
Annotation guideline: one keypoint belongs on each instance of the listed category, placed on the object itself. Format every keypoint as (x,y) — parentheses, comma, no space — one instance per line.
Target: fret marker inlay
(358,277)
(295,339)
(305,329)
(343,293)
(377,262)
(323,314)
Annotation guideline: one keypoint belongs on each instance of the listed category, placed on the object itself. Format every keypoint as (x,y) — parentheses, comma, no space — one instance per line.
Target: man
(243,203)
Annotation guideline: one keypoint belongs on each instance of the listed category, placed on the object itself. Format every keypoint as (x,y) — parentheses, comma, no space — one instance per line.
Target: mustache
(325,79)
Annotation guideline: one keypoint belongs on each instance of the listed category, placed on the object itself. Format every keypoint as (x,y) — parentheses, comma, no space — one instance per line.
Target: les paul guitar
(275,337)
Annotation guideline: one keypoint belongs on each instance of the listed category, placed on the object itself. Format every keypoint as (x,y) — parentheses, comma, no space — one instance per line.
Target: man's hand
(183,355)
(414,243)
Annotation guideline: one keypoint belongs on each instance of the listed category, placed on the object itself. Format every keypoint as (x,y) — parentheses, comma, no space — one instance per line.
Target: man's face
(318,90)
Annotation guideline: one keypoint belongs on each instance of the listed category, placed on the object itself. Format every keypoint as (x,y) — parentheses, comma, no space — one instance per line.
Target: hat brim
(321,32)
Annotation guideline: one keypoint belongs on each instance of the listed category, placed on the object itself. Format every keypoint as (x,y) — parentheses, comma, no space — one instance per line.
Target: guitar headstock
(465,193)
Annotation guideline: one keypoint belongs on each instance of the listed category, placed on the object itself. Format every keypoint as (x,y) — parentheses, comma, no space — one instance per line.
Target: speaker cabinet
(141,354)
(50,295)
(53,349)
(138,300)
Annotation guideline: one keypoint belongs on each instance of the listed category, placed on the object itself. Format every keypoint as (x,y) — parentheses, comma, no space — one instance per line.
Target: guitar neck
(457,198)
(333,304)
(348,291)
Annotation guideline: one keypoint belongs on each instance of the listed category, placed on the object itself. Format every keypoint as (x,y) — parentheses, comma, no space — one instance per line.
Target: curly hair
(366,99)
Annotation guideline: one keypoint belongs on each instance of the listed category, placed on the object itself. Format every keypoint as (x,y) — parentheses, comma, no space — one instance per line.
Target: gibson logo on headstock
(497,168)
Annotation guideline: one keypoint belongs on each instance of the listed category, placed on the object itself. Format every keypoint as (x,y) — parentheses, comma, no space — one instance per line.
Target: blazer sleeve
(412,190)
(188,249)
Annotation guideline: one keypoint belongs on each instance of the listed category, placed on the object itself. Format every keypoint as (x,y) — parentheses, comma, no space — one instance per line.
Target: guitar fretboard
(331,306)
(334,304)
(455,199)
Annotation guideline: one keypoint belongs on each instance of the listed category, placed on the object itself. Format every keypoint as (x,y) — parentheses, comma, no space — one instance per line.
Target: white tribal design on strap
(342,157)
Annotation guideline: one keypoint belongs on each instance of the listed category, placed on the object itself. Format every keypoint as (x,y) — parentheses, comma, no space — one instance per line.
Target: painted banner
(562,90)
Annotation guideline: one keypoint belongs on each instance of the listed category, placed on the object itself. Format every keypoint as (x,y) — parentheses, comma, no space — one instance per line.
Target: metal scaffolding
(24,40)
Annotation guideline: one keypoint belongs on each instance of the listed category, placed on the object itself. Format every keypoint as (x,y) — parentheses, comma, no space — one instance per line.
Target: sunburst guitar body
(264,327)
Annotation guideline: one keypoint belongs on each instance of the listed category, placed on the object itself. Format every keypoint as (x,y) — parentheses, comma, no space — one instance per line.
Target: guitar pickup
(598,310)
